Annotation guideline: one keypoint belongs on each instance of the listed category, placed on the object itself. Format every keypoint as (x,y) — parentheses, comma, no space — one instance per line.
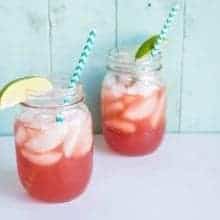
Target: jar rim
(55,98)
(128,53)
(122,60)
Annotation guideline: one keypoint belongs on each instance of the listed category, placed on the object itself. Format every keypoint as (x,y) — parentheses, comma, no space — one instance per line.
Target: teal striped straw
(76,76)
(166,27)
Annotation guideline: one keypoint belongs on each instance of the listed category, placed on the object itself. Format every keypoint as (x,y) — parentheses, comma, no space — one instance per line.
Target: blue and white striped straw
(166,27)
(76,76)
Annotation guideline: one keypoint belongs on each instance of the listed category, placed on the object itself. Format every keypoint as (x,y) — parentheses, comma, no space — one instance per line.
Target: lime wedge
(146,47)
(17,90)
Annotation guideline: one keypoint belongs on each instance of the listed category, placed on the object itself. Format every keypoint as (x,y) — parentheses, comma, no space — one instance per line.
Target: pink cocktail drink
(54,160)
(133,109)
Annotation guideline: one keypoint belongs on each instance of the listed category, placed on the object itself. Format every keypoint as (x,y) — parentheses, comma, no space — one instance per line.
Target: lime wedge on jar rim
(146,47)
(17,90)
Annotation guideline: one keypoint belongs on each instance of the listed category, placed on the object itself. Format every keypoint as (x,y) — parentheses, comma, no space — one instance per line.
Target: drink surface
(133,113)
(54,159)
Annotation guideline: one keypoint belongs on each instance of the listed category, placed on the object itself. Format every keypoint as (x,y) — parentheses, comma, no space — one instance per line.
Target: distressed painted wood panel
(24,45)
(201,79)
(191,64)
(71,23)
(139,19)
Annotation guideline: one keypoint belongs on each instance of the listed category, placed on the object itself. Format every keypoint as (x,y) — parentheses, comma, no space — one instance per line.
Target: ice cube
(142,89)
(45,159)
(113,93)
(121,125)
(84,142)
(48,139)
(38,120)
(76,124)
(72,115)
(117,91)
(42,121)
(32,132)
(109,80)
(27,116)
(129,99)
(141,109)
(71,139)
(113,108)
(159,114)
(20,134)
(112,88)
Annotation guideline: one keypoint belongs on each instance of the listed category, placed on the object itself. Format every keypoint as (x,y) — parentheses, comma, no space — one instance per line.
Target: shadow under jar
(54,160)
(133,103)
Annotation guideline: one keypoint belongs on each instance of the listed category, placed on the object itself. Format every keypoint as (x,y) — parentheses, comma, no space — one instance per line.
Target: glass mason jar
(133,103)
(54,159)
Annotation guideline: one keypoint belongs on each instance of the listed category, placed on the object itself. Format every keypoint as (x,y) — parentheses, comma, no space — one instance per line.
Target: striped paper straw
(76,76)
(166,27)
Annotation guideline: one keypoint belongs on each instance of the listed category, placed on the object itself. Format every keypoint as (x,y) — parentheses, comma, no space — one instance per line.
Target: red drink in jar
(133,105)
(54,160)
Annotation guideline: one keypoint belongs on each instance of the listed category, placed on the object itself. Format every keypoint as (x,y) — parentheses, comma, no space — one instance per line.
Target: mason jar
(54,158)
(133,103)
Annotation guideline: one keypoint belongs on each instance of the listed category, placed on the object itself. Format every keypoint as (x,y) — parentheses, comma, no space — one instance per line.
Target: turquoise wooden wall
(46,37)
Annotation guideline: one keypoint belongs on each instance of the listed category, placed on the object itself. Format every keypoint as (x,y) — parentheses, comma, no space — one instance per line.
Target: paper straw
(166,27)
(76,76)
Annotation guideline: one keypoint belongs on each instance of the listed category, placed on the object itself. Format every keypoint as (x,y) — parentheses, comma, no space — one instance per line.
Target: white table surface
(179,181)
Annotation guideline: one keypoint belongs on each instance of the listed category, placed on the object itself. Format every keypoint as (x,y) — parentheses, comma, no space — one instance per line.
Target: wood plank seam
(182,69)
(50,37)
(116,24)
